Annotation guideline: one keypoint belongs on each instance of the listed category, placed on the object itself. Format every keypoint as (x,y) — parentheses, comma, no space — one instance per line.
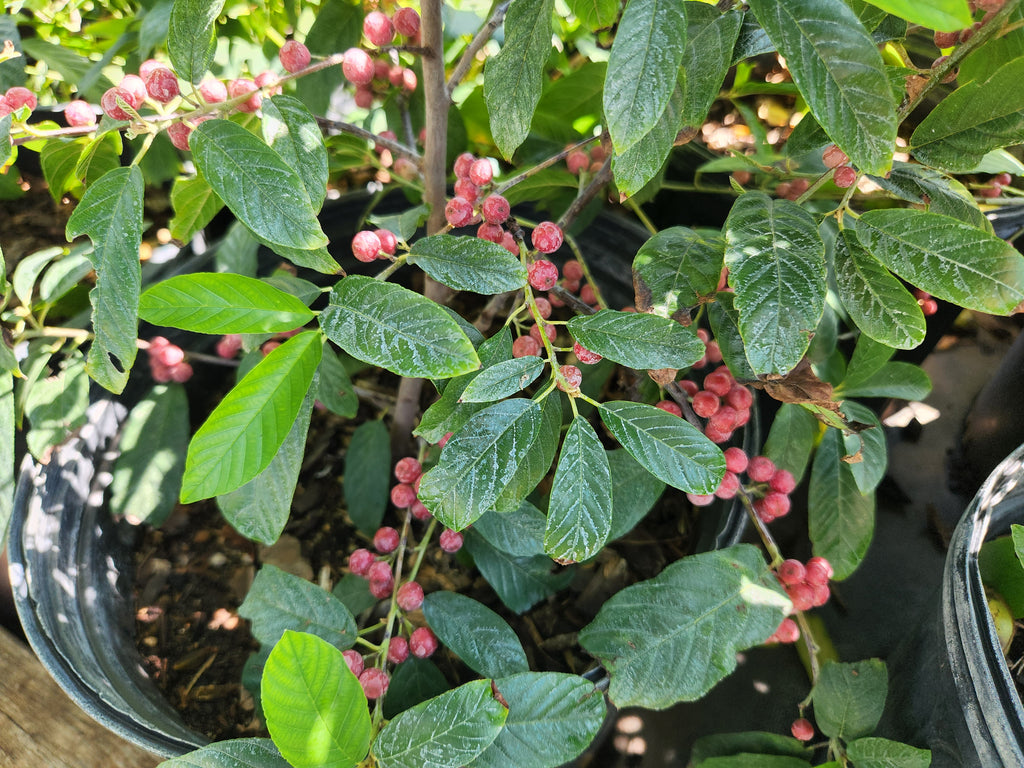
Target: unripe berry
(524,346)
(18,97)
(408,470)
(241,86)
(398,650)
(410,596)
(169,355)
(706,404)
(542,275)
(360,560)
(802,729)
(136,87)
(735,460)
(819,571)
(363,97)
(386,539)
(162,85)
(422,642)
(760,469)
(366,245)
(108,102)
(945,40)
(294,56)
(458,212)
(491,232)
(378,28)
(462,165)
(571,378)
(792,572)
(833,157)
(584,355)
(742,177)
(495,209)
(403,495)
(669,407)
(409,80)
(406,21)
(844,176)
(375,682)
(354,661)
(357,66)
(213,91)
(450,541)
(481,172)
(79,113)
(782,481)
(547,237)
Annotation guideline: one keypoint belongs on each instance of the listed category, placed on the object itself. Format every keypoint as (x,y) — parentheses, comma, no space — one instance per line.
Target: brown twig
(479,41)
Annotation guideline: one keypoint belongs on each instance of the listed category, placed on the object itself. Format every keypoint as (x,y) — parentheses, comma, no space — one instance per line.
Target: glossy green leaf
(110,213)
(479,461)
(335,391)
(676,269)
(290,129)
(241,436)
(413,681)
(669,448)
(638,340)
(901,380)
(710,40)
(468,264)
(634,492)
(520,581)
(595,14)
(444,732)
(260,508)
(635,167)
(984,60)
(946,258)
(147,472)
(580,508)
(874,752)
(7,451)
(257,184)
(236,753)
(397,329)
(503,379)
(403,225)
(237,251)
(725,325)
(552,719)
(367,478)
(537,461)
(649,43)
(57,160)
(976,118)
(354,593)
(65,274)
(849,698)
(761,742)
(278,602)
(791,438)
(841,520)
(513,79)
(878,303)
(868,444)
(195,204)
(935,190)
(941,15)
(28,271)
(776,264)
(192,38)
(100,155)
(55,406)
(211,302)
(477,635)
(839,71)
(315,708)
(519,532)
(698,612)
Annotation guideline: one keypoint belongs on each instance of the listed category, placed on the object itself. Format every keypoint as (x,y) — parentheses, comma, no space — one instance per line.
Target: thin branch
(395,146)
(600,181)
(479,41)
(542,165)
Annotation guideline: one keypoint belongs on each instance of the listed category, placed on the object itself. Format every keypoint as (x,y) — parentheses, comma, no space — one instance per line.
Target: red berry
(169,355)
(406,21)
(543,275)
(422,642)
(689,387)
(458,212)
(774,505)
(408,470)
(792,572)
(524,346)
(213,91)
(388,241)
(577,161)
(788,631)
(79,113)
(821,594)
(467,189)
(181,373)
(379,571)
(398,650)
(543,307)
(782,481)
(162,85)
(844,176)
(18,97)
(444,439)
(354,661)
(179,134)
(382,588)
(108,102)
(669,407)
(571,378)
(363,97)
(462,165)
(410,596)
(495,209)
(491,232)
(450,541)
(587,295)
(147,67)
(366,245)
(403,495)
(419,510)
(729,486)
(1003,179)
(717,435)
(241,86)
(572,270)
(739,397)
(510,244)
(481,172)
(584,355)
(719,381)
(378,28)
(760,469)
(549,330)
(802,595)
(136,87)
(735,460)
(802,729)
(706,404)
(357,66)
(723,420)
(360,560)
(386,539)
(547,237)
(374,681)
(294,56)
(268,82)
(714,352)
(819,571)
(833,157)
(701,500)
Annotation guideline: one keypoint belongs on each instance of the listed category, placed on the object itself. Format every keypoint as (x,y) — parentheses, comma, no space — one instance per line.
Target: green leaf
(634,492)
(791,438)
(7,451)
(841,520)
(279,602)
(354,593)
(637,340)
(868,444)
(985,59)
(444,732)
(941,15)
(849,698)
(315,708)
(976,118)
(195,204)
(725,325)
(668,447)
(697,613)
(55,406)
(414,681)
(479,461)
(874,752)
(552,718)
(290,129)
(338,26)
(211,302)
(677,269)
(940,193)
(110,213)
(520,581)
(29,269)
(776,264)
(241,436)
(257,184)
(367,476)
(192,38)
(580,509)
(336,392)
(637,165)
(877,302)
(477,635)
(946,258)
(236,753)
(397,329)
(403,225)
(748,760)
(147,472)
(710,40)
(649,43)
(519,533)
(513,79)
(726,744)
(64,275)
(468,264)
(537,461)
(58,160)
(839,71)
(595,14)
(101,154)
(260,508)
(503,379)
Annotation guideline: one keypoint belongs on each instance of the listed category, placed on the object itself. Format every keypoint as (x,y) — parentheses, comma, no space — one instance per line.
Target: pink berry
(735,460)
(462,165)
(543,307)
(689,387)
(792,572)
(729,486)
(450,541)
(782,481)
(407,470)
(821,594)
(409,80)
(723,420)
(374,681)
(136,87)
(398,650)
(458,212)
(819,571)
(701,500)
(360,560)
(706,404)
(379,571)
(406,21)
(294,56)
(549,330)
(584,355)
(181,373)
(577,161)
(543,275)
(403,495)
(357,66)
(773,506)
(382,588)
(108,102)
(444,439)
(354,661)
(572,270)
(388,241)
(491,232)
(466,189)
(179,134)
(378,28)
(410,596)
(509,243)
(366,245)
(481,172)
(419,510)
(669,407)
(760,469)
(739,397)
(833,157)
(158,342)
(386,539)
(18,97)
(363,96)
(162,85)
(587,295)
(802,729)
(802,596)
(268,82)
(146,68)
(495,209)
(788,631)
(79,113)
(422,642)
(717,436)
(161,373)
(240,87)
(524,346)
(844,176)
(547,237)
(213,91)
(571,378)
(719,381)
(169,355)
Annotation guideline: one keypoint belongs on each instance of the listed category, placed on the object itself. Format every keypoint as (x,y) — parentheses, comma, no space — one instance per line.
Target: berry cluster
(806,584)
(15,98)
(368,245)
(924,300)
(790,190)
(843,174)
(592,160)
(375,77)
(408,472)
(167,362)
